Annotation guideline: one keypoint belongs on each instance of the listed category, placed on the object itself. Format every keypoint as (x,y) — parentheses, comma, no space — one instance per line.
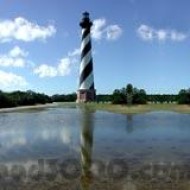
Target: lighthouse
(86,91)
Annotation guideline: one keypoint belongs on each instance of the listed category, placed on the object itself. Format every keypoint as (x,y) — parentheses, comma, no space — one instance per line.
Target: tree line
(19,98)
(127,95)
(132,95)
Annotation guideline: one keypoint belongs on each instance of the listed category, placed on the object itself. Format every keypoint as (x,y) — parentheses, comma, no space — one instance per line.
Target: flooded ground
(78,148)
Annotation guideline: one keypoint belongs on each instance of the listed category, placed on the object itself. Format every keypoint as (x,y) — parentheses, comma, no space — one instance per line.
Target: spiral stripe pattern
(86,80)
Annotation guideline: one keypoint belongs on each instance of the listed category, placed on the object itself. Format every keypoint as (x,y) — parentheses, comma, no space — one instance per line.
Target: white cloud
(145,32)
(176,36)
(162,35)
(62,69)
(76,52)
(74,56)
(17,51)
(11,81)
(15,58)
(113,32)
(148,33)
(45,71)
(24,30)
(65,135)
(100,30)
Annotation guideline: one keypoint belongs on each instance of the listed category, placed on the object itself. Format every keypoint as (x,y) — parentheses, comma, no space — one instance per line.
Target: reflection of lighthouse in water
(129,123)
(86,148)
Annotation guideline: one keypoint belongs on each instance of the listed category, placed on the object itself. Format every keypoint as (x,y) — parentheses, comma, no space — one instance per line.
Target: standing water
(79,148)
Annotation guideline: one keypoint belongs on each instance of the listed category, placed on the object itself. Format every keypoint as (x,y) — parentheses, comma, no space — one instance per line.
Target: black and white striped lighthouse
(86,91)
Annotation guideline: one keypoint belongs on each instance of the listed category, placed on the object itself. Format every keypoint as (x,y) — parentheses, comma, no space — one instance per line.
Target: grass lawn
(140,108)
(123,109)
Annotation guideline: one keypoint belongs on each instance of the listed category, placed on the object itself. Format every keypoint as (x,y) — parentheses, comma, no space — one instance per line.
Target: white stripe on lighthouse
(85,61)
(85,41)
(88,82)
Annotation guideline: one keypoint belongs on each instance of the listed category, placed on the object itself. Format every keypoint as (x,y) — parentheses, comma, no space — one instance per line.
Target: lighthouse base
(86,95)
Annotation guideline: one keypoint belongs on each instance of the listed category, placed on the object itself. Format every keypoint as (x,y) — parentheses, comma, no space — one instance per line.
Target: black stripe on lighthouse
(85,50)
(85,33)
(86,72)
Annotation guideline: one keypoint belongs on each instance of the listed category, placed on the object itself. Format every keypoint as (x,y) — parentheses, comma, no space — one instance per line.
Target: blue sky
(143,42)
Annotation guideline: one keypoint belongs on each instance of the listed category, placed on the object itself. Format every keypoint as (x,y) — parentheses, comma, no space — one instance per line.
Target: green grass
(123,109)
(134,109)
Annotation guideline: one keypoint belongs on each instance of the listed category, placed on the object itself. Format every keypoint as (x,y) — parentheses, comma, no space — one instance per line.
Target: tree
(129,94)
(5,101)
(184,96)
(104,98)
(118,97)
(139,96)
(64,98)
